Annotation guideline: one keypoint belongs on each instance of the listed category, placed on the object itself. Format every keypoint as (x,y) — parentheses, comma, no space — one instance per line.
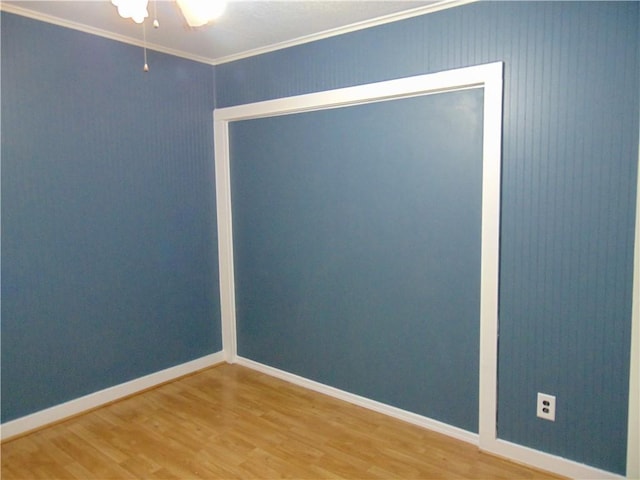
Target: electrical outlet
(546,407)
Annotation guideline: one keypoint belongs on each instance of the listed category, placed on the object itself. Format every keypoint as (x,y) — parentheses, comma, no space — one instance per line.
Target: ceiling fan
(196,12)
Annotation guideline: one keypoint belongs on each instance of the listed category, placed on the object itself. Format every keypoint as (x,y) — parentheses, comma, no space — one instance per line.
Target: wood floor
(232,422)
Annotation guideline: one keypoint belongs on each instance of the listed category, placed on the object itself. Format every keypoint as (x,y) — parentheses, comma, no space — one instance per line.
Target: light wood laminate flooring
(232,422)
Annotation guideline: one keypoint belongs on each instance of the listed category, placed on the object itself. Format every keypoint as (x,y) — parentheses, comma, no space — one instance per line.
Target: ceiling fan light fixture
(201,12)
(134,9)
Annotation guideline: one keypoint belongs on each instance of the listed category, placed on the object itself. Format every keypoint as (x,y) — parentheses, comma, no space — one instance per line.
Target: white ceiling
(247,27)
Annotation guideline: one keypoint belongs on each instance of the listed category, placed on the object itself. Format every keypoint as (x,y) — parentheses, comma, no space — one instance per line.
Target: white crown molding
(394,17)
(88,402)
(61,22)
(390,18)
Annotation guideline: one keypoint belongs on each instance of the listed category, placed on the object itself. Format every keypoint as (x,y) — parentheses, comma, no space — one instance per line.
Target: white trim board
(404,415)
(88,402)
(541,460)
(633,434)
(488,77)
(81,27)
(393,17)
(549,462)
(390,18)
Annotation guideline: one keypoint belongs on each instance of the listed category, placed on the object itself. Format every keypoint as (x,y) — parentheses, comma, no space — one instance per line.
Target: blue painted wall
(357,249)
(109,268)
(570,155)
(108,260)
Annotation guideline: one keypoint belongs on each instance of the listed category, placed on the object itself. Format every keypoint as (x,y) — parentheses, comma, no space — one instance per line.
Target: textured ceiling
(247,27)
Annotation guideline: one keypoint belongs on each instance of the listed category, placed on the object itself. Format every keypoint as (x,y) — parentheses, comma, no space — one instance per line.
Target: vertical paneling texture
(108,215)
(570,154)
(357,249)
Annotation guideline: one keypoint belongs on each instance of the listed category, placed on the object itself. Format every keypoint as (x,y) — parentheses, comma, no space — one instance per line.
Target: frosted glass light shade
(200,12)
(134,9)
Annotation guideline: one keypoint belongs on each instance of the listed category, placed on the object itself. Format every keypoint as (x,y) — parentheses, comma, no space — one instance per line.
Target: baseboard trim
(79,405)
(546,461)
(510,451)
(379,407)
(501,448)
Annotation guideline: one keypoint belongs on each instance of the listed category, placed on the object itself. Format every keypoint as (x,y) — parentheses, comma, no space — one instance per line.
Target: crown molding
(61,22)
(393,17)
(374,22)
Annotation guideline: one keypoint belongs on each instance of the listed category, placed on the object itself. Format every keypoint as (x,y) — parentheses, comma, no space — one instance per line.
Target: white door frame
(488,77)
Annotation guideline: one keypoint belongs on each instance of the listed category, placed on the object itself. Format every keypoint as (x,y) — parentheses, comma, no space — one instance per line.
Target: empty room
(320,239)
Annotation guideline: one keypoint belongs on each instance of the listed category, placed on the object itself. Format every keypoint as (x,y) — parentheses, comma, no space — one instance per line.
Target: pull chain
(156,24)
(144,38)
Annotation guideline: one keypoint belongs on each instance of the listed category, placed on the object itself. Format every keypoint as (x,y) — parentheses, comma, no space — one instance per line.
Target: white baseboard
(546,461)
(78,405)
(501,448)
(511,451)
(379,407)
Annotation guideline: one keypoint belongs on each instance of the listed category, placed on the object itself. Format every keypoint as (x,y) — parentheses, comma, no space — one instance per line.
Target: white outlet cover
(546,407)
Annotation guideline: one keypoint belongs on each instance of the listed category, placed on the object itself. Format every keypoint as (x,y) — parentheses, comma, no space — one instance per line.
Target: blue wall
(570,154)
(108,260)
(357,249)
(109,268)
